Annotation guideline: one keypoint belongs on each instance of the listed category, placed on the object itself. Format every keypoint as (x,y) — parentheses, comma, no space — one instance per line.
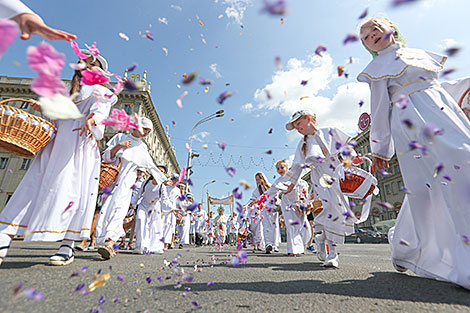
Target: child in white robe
(133,153)
(220,225)
(184,230)
(269,218)
(419,119)
(57,196)
(201,225)
(320,149)
(148,225)
(296,223)
(169,209)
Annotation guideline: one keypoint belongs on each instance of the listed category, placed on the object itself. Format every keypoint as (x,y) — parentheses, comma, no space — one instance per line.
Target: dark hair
(75,85)
(304,145)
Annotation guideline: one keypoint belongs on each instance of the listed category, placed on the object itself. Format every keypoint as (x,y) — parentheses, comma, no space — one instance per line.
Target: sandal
(61,259)
(106,252)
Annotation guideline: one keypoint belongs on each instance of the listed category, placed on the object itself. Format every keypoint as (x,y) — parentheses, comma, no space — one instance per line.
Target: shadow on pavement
(382,285)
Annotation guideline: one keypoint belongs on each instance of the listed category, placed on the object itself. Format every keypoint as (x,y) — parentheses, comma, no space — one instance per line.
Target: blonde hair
(398,36)
(314,121)
(282,162)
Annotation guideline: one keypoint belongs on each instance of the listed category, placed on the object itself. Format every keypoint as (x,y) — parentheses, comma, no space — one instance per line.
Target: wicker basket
(108,174)
(22,133)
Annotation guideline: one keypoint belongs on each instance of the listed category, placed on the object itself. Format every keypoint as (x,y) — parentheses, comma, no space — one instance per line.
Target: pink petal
(44,59)
(93,49)
(8,32)
(93,77)
(75,48)
(47,86)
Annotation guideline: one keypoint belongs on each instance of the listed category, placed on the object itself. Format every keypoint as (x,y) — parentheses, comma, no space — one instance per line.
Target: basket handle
(24,100)
(17,99)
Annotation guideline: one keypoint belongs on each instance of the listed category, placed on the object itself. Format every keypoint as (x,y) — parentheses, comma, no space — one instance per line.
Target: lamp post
(204,186)
(219,113)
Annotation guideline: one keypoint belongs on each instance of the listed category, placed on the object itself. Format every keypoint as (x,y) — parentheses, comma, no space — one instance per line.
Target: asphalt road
(365,282)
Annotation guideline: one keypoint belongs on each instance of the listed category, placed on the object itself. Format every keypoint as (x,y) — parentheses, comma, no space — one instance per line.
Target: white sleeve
(101,108)
(381,141)
(11,8)
(157,174)
(459,90)
(110,145)
(293,175)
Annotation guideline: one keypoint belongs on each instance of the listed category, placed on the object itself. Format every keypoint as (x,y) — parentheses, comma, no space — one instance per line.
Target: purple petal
(351,37)
(320,49)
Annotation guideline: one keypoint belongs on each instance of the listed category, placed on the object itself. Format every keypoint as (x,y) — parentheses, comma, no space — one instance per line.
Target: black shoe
(180,246)
(269,249)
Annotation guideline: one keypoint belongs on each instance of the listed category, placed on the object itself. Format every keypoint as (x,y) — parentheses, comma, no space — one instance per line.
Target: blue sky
(242,44)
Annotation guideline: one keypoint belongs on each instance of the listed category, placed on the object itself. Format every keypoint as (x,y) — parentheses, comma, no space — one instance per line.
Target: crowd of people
(413,116)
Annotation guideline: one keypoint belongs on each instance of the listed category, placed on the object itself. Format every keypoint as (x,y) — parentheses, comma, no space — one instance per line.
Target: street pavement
(365,282)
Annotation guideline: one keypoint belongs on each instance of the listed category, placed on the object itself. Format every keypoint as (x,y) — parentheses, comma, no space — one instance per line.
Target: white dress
(220,223)
(297,230)
(57,196)
(322,156)
(201,222)
(431,233)
(149,225)
(185,228)
(169,218)
(114,209)
(270,221)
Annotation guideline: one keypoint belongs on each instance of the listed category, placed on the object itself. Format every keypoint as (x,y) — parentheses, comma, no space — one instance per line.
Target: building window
(396,169)
(394,188)
(128,108)
(387,189)
(8,198)
(400,185)
(24,105)
(25,164)
(3,163)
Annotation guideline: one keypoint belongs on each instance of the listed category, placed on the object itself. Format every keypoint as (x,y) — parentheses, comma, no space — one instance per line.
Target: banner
(226,201)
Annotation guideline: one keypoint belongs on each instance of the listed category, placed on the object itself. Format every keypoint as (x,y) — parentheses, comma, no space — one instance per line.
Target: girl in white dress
(148,224)
(267,222)
(57,196)
(320,149)
(169,209)
(133,153)
(418,118)
(220,223)
(297,229)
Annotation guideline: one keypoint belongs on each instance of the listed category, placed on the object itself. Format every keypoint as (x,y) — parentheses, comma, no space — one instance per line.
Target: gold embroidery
(46,231)
(380,157)
(406,85)
(443,61)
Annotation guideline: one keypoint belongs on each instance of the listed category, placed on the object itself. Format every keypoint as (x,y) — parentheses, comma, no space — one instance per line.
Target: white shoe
(276,249)
(399,268)
(331,261)
(321,248)
(61,260)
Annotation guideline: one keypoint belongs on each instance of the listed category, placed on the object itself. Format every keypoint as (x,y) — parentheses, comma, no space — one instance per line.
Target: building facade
(390,185)
(13,168)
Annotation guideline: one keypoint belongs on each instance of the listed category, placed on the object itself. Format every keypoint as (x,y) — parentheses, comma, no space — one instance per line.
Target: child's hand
(36,106)
(86,126)
(289,189)
(378,164)
(125,144)
(31,24)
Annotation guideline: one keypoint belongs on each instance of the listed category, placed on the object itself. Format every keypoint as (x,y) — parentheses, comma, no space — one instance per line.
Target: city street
(365,282)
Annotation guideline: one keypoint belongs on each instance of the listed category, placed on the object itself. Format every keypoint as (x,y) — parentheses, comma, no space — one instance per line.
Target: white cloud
(214,68)
(176,7)
(448,43)
(236,9)
(200,136)
(247,107)
(285,90)
(163,20)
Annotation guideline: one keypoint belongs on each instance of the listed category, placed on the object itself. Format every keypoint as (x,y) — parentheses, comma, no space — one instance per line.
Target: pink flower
(47,86)
(93,77)
(44,59)
(80,55)
(120,121)
(8,32)
(93,49)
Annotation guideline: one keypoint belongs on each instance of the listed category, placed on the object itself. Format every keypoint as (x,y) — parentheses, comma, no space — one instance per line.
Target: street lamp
(204,186)
(219,113)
